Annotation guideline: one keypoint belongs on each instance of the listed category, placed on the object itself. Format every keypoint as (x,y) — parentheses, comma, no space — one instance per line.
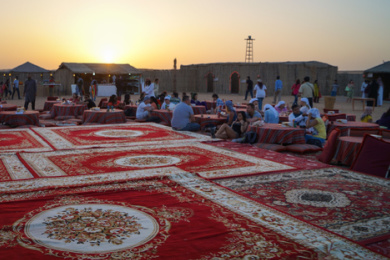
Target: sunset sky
(350,34)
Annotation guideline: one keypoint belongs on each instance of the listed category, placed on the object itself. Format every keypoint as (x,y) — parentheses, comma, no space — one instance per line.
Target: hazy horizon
(353,35)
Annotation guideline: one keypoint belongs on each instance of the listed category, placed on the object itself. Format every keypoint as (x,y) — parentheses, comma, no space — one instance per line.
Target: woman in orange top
(113,101)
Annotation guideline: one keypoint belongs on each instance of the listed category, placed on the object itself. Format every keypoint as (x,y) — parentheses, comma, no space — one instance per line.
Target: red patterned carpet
(180,217)
(208,161)
(143,191)
(114,135)
(354,205)
(285,158)
(16,140)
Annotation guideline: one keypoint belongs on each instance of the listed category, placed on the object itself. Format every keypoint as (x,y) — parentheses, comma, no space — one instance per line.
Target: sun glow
(108,55)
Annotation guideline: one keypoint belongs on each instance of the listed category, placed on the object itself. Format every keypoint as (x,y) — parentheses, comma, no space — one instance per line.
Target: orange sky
(350,34)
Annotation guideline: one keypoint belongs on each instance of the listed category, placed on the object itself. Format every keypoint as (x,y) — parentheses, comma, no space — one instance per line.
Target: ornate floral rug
(298,162)
(351,204)
(208,161)
(177,217)
(17,140)
(115,135)
(11,168)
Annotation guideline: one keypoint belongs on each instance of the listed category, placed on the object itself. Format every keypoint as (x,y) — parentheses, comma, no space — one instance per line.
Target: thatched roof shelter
(382,68)
(28,67)
(99,68)
(383,71)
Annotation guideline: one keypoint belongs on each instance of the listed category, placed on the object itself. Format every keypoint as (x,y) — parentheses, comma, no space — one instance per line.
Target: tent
(383,71)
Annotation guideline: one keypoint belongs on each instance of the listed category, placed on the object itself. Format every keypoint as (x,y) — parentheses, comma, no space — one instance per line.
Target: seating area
(170,186)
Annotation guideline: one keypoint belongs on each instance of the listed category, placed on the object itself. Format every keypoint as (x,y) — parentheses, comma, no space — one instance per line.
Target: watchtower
(249,49)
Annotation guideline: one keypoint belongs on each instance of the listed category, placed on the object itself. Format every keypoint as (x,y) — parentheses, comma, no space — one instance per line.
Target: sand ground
(340,104)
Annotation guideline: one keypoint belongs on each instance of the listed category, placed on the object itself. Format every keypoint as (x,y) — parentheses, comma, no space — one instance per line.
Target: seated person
(143,109)
(175,98)
(89,101)
(196,102)
(231,112)
(75,98)
(282,108)
(255,102)
(141,98)
(127,100)
(305,106)
(162,96)
(314,120)
(113,101)
(270,114)
(385,119)
(297,117)
(167,105)
(219,103)
(183,117)
(236,130)
(251,114)
(367,115)
(154,103)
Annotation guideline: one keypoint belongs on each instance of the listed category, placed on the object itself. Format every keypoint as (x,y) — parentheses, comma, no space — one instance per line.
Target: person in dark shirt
(89,101)
(249,87)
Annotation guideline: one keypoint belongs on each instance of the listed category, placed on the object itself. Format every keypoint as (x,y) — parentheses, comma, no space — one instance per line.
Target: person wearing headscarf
(314,120)
(282,108)
(231,112)
(367,115)
(255,102)
(270,114)
(167,105)
(305,106)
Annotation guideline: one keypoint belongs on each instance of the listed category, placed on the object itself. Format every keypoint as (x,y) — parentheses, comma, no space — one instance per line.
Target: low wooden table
(364,103)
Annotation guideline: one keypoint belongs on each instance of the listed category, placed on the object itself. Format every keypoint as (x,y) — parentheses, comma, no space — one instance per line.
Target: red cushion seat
(330,147)
(272,147)
(373,157)
(303,148)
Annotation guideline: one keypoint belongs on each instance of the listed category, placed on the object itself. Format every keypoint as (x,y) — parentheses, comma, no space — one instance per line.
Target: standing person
(350,89)
(51,87)
(113,79)
(16,87)
(373,92)
(149,88)
(316,92)
(249,87)
(93,90)
(183,116)
(260,92)
(363,88)
(380,92)
(306,90)
(80,86)
(30,92)
(6,89)
(335,87)
(278,89)
(295,90)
